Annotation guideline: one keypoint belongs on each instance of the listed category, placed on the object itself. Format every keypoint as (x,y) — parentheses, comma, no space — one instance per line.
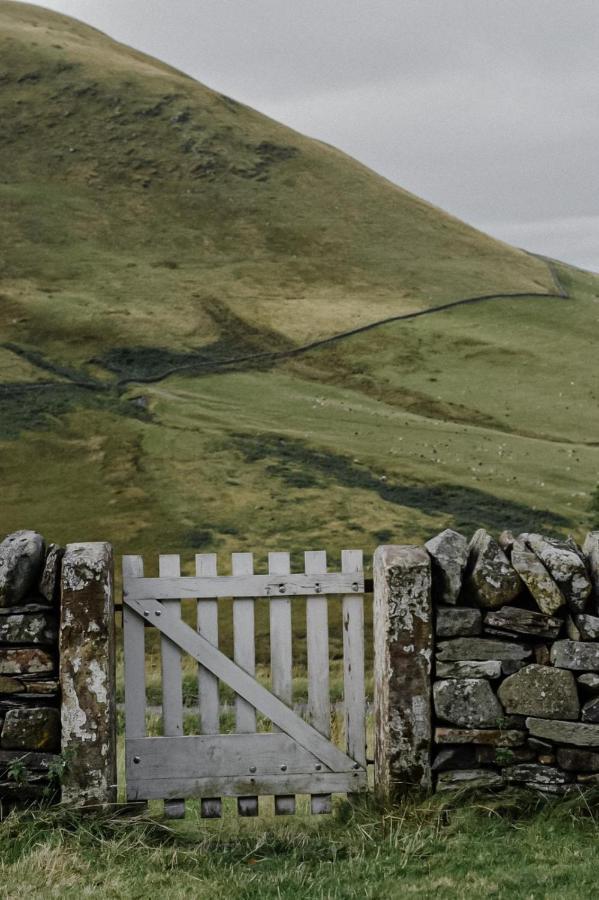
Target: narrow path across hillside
(210,366)
(269,356)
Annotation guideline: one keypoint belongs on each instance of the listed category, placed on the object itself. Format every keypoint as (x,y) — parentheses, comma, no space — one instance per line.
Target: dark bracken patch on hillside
(47,365)
(25,407)
(467,508)
(238,339)
(153,138)
(148,364)
(28,406)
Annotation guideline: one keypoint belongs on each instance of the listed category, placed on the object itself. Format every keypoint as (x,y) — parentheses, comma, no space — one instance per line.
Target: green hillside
(151,225)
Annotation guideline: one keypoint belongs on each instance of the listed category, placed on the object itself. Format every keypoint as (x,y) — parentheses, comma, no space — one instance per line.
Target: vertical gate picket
(354,695)
(169,565)
(209,706)
(317,638)
(281,664)
(244,652)
(135,661)
(134,648)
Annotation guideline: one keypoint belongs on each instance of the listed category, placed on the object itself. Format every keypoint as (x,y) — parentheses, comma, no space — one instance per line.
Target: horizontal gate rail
(241,786)
(248,586)
(223,754)
(271,763)
(368,589)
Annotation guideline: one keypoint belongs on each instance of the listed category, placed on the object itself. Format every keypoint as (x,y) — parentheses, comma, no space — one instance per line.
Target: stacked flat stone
(29,695)
(516,682)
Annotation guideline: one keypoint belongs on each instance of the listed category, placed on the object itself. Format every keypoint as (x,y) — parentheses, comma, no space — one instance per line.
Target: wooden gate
(297,755)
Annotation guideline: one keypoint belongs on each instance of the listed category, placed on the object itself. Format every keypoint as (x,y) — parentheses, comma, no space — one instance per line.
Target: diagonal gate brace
(243,684)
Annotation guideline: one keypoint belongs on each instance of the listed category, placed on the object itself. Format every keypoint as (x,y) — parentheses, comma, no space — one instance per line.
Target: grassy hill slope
(140,208)
(148,222)
(478,415)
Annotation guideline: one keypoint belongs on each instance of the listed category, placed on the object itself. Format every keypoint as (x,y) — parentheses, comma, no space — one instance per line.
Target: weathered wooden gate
(297,756)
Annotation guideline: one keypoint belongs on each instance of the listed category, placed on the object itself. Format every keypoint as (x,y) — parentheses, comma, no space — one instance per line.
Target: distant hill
(150,225)
(140,207)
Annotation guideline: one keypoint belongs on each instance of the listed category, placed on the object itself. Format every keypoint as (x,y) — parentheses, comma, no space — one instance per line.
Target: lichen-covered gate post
(87,675)
(403,649)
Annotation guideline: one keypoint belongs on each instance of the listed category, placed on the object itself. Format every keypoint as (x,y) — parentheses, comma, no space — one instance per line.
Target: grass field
(512,846)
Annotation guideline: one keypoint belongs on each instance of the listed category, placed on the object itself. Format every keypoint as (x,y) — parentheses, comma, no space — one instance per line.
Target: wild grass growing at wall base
(508,845)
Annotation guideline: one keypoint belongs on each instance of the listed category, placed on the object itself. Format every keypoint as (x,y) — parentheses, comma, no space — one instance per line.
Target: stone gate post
(403,649)
(87,675)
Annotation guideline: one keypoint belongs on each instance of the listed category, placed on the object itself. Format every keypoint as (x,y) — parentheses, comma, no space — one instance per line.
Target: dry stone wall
(30,734)
(515,675)
(57,672)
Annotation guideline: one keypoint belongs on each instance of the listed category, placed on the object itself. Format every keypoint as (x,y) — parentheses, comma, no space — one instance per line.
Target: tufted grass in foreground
(509,846)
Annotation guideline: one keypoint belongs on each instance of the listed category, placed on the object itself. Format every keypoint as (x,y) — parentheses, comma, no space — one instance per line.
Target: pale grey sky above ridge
(486,108)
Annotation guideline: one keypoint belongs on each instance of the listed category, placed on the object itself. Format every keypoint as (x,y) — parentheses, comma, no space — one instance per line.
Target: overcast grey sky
(487,108)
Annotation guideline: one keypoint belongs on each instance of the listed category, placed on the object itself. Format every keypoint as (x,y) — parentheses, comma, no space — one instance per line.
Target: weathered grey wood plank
(281,655)
(244,652)
(242,683)
(285,805)
(134,653)
(207,621)
(321,804)
(134,662)
(280,634)
(170,654)
(169,565)
(247,806)
(317,641)
(211,808)
(325,783)
(244,648)
(354,695)
(297,585)
(216,755)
